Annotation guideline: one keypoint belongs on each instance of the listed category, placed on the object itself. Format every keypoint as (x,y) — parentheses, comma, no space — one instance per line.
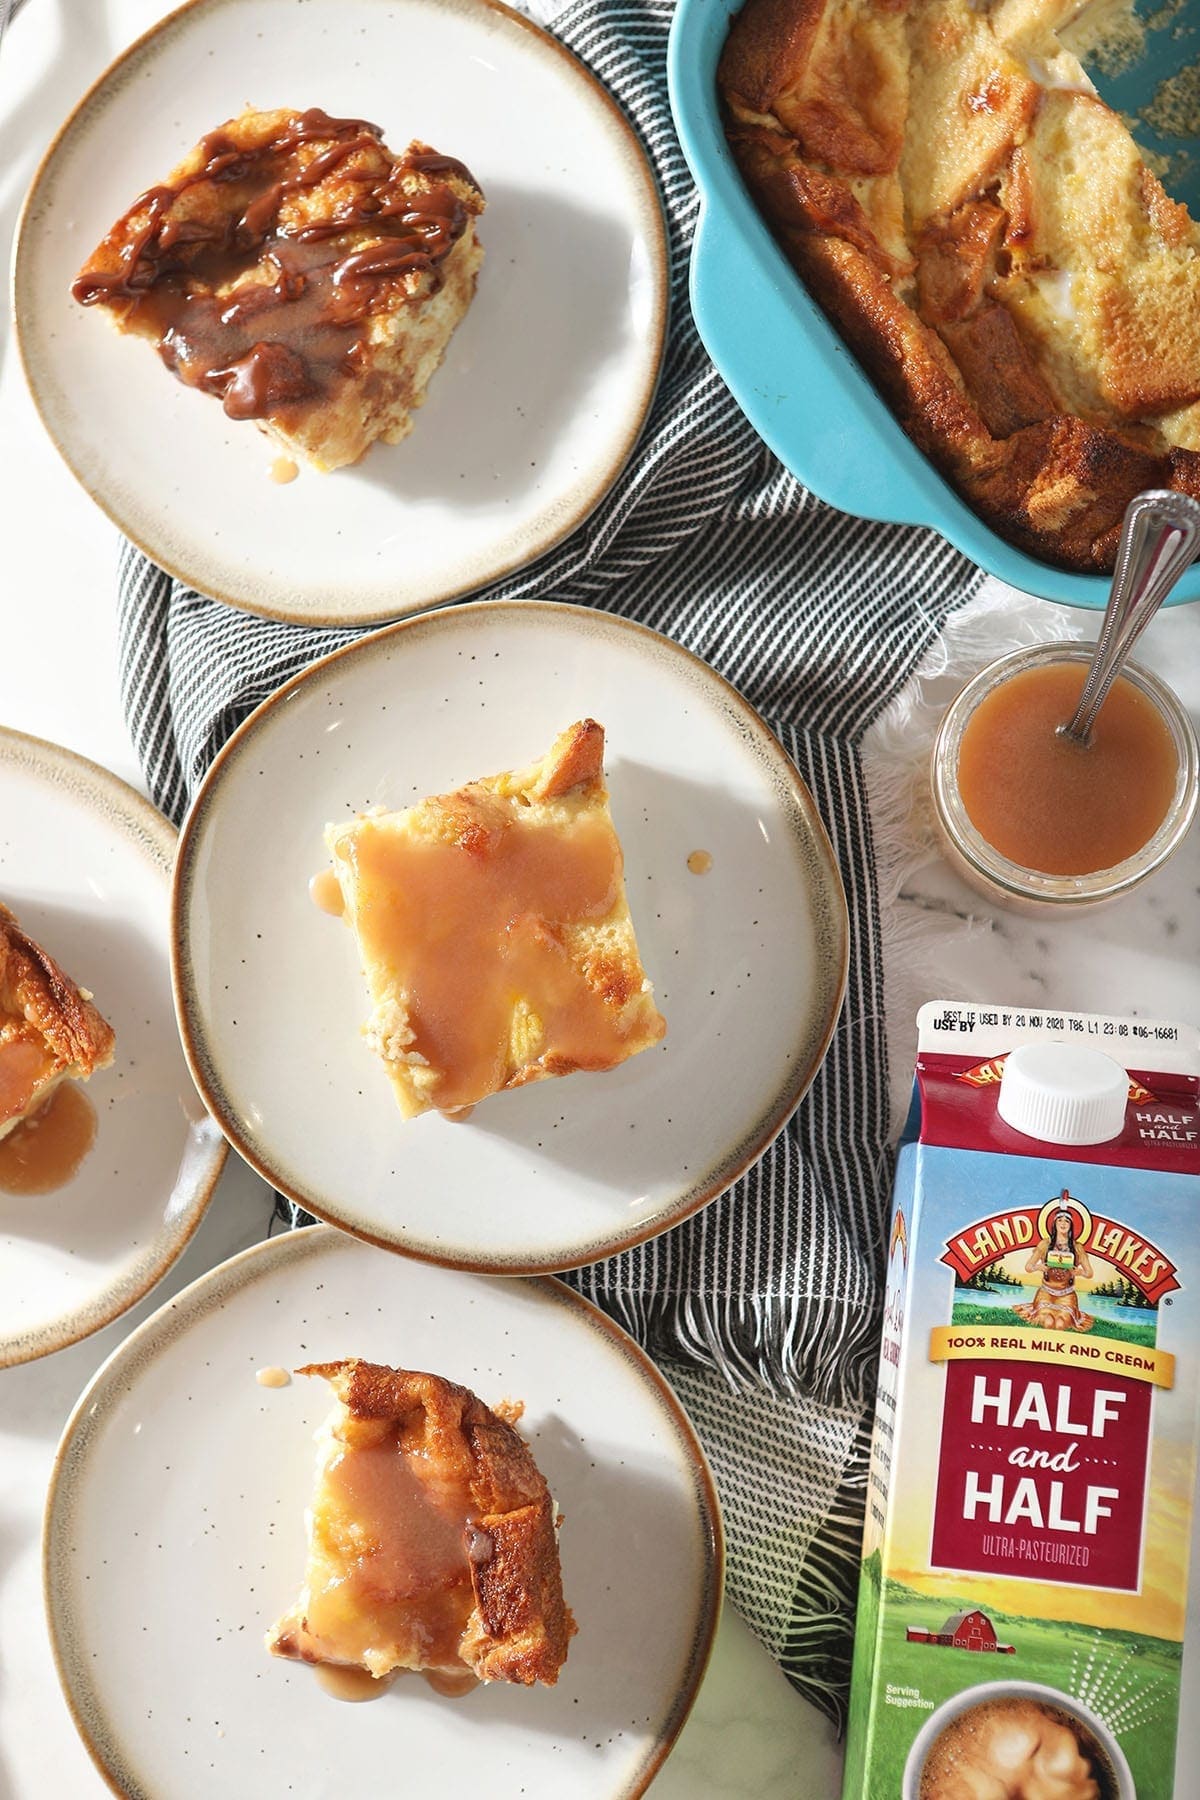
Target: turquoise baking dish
(790,372)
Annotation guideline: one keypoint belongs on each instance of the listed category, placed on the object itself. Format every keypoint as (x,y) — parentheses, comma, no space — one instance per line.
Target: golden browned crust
(575,761)
(519,1627)
(767,51)
(983,232)
(38,1000)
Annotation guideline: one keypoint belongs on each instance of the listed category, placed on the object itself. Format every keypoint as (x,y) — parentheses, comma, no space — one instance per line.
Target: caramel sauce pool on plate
(44,1152)
(351,1684)
(1055,806)
(358,1685)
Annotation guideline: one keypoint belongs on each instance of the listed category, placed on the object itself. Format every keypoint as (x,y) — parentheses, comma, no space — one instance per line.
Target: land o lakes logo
(1081,1236)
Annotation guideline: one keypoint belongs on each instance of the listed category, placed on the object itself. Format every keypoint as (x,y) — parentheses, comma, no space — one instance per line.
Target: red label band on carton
(1162,1121)
(1042,1473)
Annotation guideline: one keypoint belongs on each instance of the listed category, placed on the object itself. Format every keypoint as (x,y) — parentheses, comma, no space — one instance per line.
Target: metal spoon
(1159,538)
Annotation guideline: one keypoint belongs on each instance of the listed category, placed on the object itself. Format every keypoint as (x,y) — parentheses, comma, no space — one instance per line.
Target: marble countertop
(750,1734)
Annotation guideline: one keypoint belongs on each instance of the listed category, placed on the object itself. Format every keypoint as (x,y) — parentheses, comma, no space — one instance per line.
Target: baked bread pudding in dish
(495,933)
(298,270)
(433,1539)
(50,1031)
(985,234)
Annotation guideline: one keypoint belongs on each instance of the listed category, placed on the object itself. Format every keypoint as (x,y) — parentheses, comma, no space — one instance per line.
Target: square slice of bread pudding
(432,1539)
(295,268)
(495,933)
(50,1031)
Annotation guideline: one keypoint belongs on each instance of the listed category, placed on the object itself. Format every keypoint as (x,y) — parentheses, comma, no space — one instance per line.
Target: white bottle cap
(1063,1094)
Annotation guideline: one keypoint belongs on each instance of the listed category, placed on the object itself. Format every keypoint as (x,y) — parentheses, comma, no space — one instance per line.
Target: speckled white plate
(545,384)
(748,961)
(85,863)
(158,1624)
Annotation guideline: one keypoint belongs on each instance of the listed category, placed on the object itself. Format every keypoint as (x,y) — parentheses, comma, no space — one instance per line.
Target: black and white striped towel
(763,1308)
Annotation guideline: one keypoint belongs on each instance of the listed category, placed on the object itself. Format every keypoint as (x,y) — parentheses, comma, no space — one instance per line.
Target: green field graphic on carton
(1130,1681)
(1134,1330)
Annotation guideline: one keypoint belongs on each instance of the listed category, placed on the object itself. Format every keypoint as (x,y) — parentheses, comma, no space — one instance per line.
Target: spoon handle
(1159,539)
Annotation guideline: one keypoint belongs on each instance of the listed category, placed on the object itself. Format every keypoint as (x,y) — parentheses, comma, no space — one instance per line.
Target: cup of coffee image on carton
(1016,1737)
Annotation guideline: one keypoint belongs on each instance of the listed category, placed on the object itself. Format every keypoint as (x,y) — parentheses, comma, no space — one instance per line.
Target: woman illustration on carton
(1057,1259)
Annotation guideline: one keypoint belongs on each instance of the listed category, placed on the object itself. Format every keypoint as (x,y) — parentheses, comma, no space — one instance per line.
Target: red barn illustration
(969,1630)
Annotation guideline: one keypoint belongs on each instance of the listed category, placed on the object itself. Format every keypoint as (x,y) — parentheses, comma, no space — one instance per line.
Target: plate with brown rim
(158,1629)
(748,957)
(101,1191)
(544,386)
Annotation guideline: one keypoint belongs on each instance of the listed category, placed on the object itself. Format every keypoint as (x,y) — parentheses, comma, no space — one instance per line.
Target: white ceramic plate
(158,1626)
(545,384)
(748,960)
(85,863)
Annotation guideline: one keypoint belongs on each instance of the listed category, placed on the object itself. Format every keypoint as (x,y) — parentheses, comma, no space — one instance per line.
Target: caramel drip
(277,346)
(325,892)
(451,1685)
(430,162)
(354,1685)
(273,1377)
(341,1682)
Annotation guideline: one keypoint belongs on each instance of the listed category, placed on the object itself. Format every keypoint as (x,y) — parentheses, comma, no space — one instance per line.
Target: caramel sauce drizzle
(390,1530)
(276,346)
(24,1066)
(474,927)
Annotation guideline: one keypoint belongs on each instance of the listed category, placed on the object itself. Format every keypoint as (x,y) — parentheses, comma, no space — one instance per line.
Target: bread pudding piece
(983,230)
(295,268)
(50,1031)
(432,1538)
(495,932)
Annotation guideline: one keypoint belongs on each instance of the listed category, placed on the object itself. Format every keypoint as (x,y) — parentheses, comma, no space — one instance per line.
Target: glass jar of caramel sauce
(1041,823)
